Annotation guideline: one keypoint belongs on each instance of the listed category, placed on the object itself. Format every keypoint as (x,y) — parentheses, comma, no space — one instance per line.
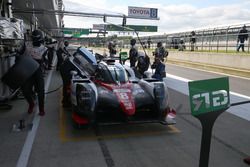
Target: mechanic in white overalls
(37,51)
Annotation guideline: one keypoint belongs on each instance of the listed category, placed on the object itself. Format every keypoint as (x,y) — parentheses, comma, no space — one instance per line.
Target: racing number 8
(153,13)
(124,96)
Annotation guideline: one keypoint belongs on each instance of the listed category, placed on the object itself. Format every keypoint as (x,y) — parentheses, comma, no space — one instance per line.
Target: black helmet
(37,36)
(66,43)
(159,44)
(132,41)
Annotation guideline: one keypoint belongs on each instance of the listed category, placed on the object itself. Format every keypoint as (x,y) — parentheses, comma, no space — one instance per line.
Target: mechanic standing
(51,47)
(37,51)
(242,37)
(112,49)
(61,50)
(192,40)
(160,71)
(160,51)
(65,69)
(133,53)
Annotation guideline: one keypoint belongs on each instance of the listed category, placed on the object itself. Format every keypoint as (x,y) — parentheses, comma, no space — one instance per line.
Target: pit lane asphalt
(56,143)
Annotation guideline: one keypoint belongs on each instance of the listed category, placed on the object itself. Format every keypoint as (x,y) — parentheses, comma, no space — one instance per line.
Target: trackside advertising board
(209,95)
(150,13)
(76,32)
(141,28)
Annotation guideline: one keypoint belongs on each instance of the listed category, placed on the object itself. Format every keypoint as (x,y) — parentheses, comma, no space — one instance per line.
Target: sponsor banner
(209,95)
(139,28)
(75,32)
(142,12)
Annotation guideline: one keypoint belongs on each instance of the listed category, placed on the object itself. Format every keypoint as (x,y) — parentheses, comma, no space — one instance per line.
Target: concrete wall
(239,61)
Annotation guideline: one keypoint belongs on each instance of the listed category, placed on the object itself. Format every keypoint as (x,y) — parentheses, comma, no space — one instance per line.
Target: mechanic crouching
(37,51)
(142,64)
(160,71)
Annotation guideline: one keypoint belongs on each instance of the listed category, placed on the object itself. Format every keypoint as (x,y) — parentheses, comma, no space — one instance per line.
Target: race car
(104,91)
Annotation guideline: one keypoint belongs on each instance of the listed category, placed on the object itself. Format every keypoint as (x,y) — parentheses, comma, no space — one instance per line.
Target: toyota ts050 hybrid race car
(107,92)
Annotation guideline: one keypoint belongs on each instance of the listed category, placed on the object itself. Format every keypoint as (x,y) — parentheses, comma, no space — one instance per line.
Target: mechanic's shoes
(41,112)
(31,107)
(247,160)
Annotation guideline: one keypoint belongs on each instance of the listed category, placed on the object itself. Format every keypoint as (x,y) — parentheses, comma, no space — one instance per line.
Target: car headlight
(85,99)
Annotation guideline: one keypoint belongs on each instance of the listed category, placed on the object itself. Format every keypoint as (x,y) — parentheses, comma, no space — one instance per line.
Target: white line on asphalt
(27,147)
(242,111)
(178,78)
(240,95)
(210,71)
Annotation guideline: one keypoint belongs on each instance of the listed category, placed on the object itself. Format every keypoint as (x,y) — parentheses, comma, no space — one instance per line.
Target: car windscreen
(112,75)
(83,62)
(118,75)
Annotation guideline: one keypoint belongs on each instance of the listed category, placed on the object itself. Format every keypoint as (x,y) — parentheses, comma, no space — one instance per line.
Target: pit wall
(237,64)
(239,61)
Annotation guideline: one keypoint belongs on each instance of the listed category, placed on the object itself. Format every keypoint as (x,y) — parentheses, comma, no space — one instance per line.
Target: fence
(224,42)
(221,39)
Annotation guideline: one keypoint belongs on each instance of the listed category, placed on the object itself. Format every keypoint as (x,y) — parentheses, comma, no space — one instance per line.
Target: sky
(175,15)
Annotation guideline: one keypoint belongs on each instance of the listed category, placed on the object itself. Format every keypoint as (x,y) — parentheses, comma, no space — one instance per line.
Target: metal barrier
(220,39)
(225,42)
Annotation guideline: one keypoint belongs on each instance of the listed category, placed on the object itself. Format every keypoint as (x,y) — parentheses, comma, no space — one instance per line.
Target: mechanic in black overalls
(133,53)
(37,51)
(61,51)
(242,37)
(160,51)
(65,69)
(112,49)
(51,47)
(160,71)
(142,64)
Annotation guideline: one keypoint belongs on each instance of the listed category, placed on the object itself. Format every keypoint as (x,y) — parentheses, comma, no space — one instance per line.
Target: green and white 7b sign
(209,95)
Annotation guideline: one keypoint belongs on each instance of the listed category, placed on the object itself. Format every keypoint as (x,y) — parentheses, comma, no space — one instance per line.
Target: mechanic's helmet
(159,44)
(37,37)
(141,54)
(66,43)
(132,41)
(192,33)
(110,43)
